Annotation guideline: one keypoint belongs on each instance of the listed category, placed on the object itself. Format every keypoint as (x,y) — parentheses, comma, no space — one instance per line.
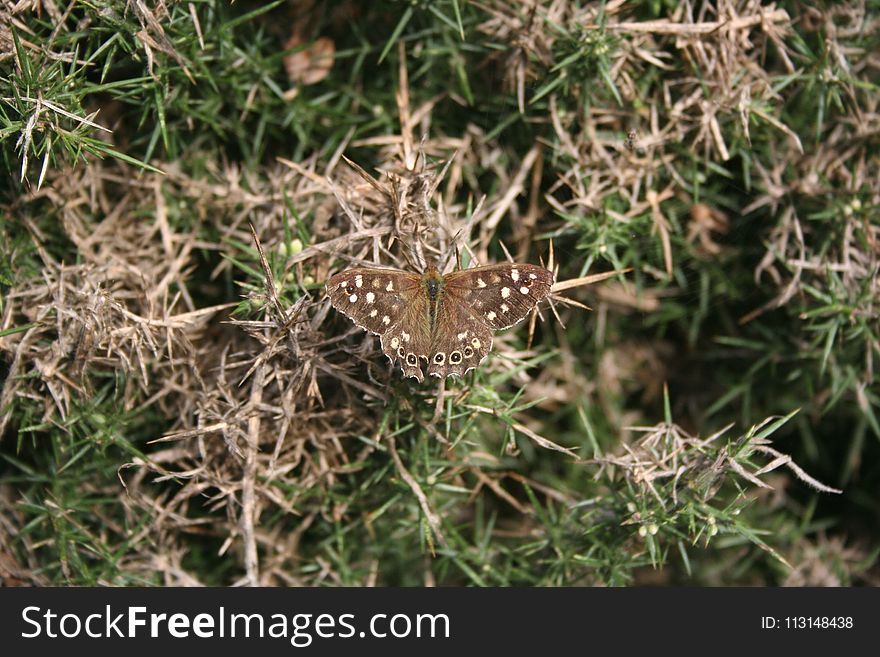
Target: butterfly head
(433,282)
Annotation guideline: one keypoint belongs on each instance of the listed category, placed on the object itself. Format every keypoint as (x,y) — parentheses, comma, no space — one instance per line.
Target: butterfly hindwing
(409,338)
(461,340)
(500,295)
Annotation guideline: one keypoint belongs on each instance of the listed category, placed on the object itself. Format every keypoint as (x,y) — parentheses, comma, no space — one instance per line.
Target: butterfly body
(432,282)
(447,321)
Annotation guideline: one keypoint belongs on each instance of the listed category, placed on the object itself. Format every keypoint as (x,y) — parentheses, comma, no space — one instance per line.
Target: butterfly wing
(500,295)
(461,338)
(409,338)
(390,303)
(374,299)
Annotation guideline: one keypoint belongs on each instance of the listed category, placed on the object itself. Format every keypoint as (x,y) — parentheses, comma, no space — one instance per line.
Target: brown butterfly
(447,321)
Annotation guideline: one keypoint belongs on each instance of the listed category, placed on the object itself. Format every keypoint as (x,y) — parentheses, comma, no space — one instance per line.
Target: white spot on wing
(406,336)
(491,315)
(358,280)
(524,290)
(370,297)
(374,312)
(533,276)
(390,286)
(395,343)
(481,282)
(462,336)
(514,274)
(504,307)
(386,320)
(505,292)
(353,298)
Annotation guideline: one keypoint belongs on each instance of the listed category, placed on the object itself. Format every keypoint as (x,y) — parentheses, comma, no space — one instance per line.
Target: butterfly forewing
(500,295)
(374,299)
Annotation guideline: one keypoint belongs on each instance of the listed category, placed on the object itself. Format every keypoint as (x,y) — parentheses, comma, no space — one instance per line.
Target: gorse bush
(694,403)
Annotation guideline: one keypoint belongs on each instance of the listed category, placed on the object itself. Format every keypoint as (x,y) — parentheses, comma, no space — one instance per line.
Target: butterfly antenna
(411,252)
(405,253)
(418,250)
(456,238)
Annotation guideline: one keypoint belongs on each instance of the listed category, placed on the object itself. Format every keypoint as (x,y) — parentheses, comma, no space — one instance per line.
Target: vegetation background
(166,422)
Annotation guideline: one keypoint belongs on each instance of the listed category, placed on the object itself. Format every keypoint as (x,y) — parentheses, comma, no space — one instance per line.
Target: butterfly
(445,321)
